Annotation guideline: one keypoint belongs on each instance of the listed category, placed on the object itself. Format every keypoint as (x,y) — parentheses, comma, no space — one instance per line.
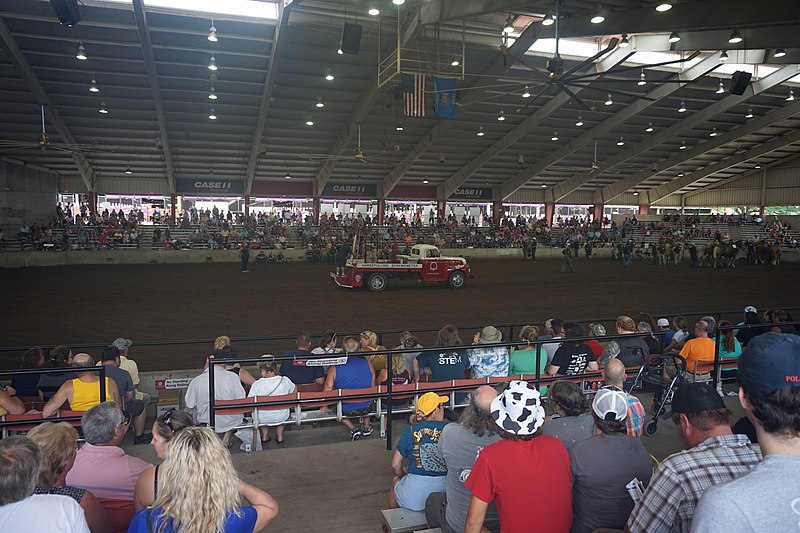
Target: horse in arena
(763,252)
(725,253)
(775,253)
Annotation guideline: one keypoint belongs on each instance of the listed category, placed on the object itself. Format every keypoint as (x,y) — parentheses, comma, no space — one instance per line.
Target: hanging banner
(209,186)
(350,190)
(474,193)
(444,97)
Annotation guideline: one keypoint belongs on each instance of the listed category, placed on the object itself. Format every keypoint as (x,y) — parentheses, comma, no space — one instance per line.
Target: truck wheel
(457,279)
(377,282)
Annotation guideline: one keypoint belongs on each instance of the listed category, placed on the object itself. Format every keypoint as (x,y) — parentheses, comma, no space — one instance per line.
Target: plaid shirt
(634,423)
(669,502)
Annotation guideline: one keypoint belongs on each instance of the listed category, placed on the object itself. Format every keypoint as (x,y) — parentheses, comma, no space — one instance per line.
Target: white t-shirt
(226,387)
(274,386)
(43,512)
(680,336)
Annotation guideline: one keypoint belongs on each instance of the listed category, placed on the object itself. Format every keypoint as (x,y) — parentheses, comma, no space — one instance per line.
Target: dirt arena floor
(95,304)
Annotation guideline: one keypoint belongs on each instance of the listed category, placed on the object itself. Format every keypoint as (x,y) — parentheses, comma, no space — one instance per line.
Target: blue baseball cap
(771,361)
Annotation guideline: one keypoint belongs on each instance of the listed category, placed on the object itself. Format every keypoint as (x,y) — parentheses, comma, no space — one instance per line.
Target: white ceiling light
(624,43)
(749,113)
(681,174)
(509,26)
(735,37)
(713,133)
(683,145)
(320,104)
(635,193)
(425,181)
(329,75)
(103,109)
(608,101)
(287,176)
(455,62)
(212,33)
(543,186)
(579,123)
(212,64)
(81,53)
(502,116)
(548,20)
(620,142)
(339,50)
(790,98)
(723,56)
(212,93)
(721,88)
(649,128)
(780,52)
(554,137)
(93,86)
(526,93)
(399,126)
(480,132)
(212,114)
(674,37)
(682,108)
(597,16)
(758,165)
(128,170)
(374,11)
(663,6)
(309,121)
(398,2)
(642,79)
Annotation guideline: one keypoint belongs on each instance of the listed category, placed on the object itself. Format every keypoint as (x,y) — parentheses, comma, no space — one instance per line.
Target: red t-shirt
(530,483)
(596,347)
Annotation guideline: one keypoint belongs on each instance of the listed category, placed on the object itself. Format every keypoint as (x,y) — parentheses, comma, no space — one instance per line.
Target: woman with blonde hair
(400,376)
(58,441)
(200,491)
(223,344)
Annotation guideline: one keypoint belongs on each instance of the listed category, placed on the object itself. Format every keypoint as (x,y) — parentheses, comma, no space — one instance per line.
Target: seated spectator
(572,357)
(199,490)
(419,444)
(751,327)
(766,497)
(713,455)
(597,330)
(614,377)
(409,342)
(48,385)
(523,357)
(227,386)
(327,344)
(58,443)
(356,373)
(680,336)
(400,376)
(271,384)
(444,364)
(572,423)
(369,343)
(223,344)
(165,427)
(653,344)
(663,326)
(101,466)
(604,464)
(129,365)
(9,403)
(21,509)
(699,349)
(25,384)
(460,445)
(111,359)
(486,362)
(554,329)
(83,392)
(632,349)
(296,369)
(503,471)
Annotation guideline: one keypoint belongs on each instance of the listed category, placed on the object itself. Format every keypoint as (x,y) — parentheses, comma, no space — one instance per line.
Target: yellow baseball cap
(429,401)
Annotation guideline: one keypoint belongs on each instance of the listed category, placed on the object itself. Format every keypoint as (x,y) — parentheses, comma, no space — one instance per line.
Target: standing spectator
(296,369)
(110,358)
(603,464)
(356,373)
(48,385)
(58,443)
(83,392)
(271,384)
(244,255)
(503,471)
(419,444)
(699,349)
(227,386)
(572,423)
(573,357)
(765,498)
(199,490)
(446,364)
(25,384)
(614,376)
(488,362)
(20,508)
(712,455)
(460,445)
(567,266)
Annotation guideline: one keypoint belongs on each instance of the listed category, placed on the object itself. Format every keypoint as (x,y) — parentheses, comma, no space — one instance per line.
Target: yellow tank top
(3,412)
(87,395)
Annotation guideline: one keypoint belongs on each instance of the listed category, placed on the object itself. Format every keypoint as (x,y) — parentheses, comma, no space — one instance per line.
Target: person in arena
(503,471)
(83,392)
(296,369)
(165,428)
(356,373)
(604,464)
(58,443)
(493,361)
(572,357)
(765,498)
(712,455)
(419,445)
(571,423)
(244,256)
(200,491)
(460,444)
(614,376)
(21,509)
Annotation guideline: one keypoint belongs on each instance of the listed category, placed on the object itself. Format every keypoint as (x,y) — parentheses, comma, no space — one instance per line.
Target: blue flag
(444,97)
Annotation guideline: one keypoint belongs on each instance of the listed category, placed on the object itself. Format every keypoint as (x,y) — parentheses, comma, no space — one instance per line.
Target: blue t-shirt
(233,524)
(354,374)
(420,445)
(445,365)
(297,371)
(668,334)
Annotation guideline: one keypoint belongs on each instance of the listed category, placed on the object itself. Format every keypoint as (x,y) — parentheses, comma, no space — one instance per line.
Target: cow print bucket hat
(519,409)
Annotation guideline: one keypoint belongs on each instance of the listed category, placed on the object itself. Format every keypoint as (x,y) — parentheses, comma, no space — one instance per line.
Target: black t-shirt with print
(571,359)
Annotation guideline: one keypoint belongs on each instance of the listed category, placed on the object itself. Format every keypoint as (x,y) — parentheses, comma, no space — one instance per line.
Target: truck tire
(457,279)
(377,282)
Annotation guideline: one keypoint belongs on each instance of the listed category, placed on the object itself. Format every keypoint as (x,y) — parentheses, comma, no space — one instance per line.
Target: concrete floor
(324,482)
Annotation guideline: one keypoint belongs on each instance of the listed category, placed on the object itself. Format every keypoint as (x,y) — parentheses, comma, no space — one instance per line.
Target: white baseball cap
(662,322)
(750,309)
(610,402)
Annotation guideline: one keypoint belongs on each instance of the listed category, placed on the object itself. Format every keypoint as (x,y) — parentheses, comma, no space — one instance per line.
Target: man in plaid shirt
(713,455)
(614,376)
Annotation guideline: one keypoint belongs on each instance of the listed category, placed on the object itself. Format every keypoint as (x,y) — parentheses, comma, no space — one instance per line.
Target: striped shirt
(668,504)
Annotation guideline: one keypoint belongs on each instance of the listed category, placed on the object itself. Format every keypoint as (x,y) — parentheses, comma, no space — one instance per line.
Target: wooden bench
(403,521)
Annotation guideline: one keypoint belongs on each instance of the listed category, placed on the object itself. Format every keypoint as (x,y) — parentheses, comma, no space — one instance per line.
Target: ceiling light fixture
(480,132)
(502,116)
(320,104)
(554,137)
(624,43)
(329,75)
(642,79)
(128,170)
(620,142)
(520,159)
(682,108)
(309,121)
(713,133)
(339,50)
(635,193)
(212,114)
(597,16)
(663,6)
(680,174)
(212,33)
(212,64)
(608,101)
(721,88)
(526,93)
(579,123)
(548,20)
(399,126)
(683,145)
(649,128)
(93,86)
(398,2)
(425,181)
(780,52)
(103,109)
(287,176)
(790,98)
(455,62)
(735,37)
(212,93)
(749,113)
(374,11)
(508,28)
(723,56)
(81,53)
(543,186)
(674,37)
(758,165)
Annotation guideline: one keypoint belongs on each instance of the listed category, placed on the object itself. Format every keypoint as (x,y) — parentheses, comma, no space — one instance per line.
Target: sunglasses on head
(166,418)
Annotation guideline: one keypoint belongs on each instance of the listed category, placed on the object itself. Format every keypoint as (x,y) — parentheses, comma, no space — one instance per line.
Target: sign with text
(328,361)
(472,193)
(350,190)
(172,383)
(209,186)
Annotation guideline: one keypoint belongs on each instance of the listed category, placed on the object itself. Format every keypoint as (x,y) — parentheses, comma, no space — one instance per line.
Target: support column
(93,202)
(246,205)
(761,210)
(315,210)
(441,205)
(173,203)
(597,212)
(549,211)
(644,209)
(497,212)
(381,211)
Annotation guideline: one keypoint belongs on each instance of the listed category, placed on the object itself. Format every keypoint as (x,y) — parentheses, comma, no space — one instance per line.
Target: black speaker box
(351,38)
(739,82)
(66,11)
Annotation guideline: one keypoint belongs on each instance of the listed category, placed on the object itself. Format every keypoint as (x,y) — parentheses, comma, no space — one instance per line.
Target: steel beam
(152,74)
(266,96)
(629,111)
(676,130)
(753,125)
(444,10)
(460,177)
(20,61)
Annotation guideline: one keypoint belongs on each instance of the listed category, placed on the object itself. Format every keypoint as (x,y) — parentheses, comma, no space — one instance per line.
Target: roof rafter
(711,186)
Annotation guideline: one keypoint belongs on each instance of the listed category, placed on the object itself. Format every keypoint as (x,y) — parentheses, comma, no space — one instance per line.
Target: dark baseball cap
(770,361)
(109,353)
(696,398)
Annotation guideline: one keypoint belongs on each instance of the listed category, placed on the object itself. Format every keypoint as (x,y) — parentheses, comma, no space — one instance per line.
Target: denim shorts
(413,489)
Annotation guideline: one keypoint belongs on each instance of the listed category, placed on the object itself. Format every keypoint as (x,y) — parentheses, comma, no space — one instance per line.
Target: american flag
(413,87)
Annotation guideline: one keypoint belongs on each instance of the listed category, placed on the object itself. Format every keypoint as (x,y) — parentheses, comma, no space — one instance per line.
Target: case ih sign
(473,193)
(350,190)
(209,186)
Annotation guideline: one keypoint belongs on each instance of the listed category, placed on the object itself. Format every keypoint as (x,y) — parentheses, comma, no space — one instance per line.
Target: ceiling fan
(43,143)
(358,155)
